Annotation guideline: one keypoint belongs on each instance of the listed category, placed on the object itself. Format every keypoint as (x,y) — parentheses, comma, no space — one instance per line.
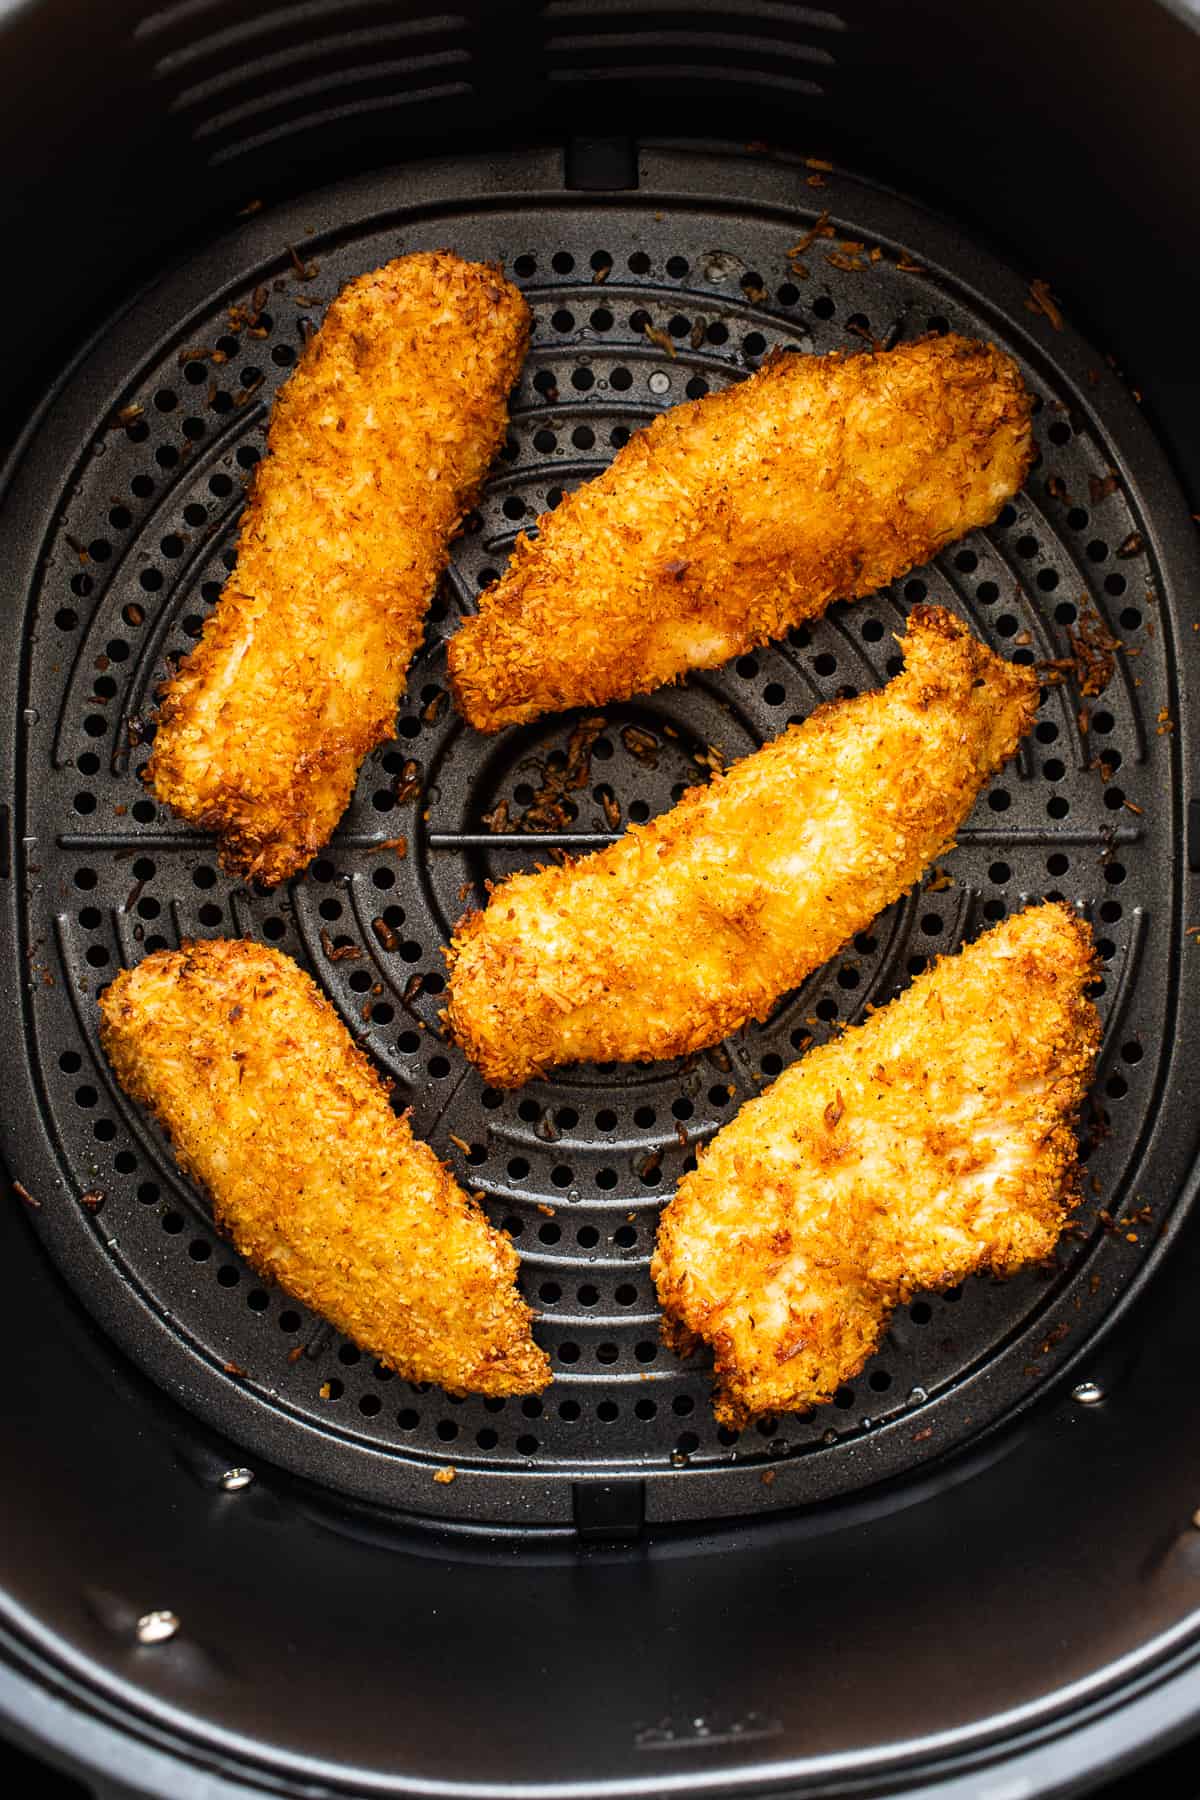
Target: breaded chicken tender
(377,446)
(693,924)
(929,1143)
(274,1110)
(734,517)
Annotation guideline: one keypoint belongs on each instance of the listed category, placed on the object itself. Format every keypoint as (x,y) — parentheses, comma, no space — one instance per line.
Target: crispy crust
(272,1108)
(378,444)
(692,925)
(929,1143)
(734,517)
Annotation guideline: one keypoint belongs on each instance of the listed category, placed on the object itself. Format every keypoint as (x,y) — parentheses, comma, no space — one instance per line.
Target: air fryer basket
(281,1503)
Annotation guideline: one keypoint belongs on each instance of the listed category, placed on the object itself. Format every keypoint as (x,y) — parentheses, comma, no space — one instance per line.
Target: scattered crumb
(1041,300)
(655,336)
(446,1475)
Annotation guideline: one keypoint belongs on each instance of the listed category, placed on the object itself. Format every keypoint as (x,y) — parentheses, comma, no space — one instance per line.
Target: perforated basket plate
(119,529)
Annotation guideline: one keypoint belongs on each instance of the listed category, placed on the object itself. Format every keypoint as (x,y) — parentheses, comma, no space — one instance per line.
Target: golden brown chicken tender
(377,446)
(929,1143)
(688,927)
(321,1187)
(734,517)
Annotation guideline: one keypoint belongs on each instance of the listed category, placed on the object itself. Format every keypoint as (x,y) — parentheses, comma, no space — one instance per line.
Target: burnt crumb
(388,936)
(232,1368)
(1041,300)
(408,783)
(655,336)
(1092,658)
(1055,1336)
(302,270)
(649,1165)
(612,809)
(1133,545)
(822,229)
(641,744)
(922,1436)
(412,988)
(548,810)
(93,1200)
(23,1193)
(498,821)
(433,709)
(338,952)
(1101,486)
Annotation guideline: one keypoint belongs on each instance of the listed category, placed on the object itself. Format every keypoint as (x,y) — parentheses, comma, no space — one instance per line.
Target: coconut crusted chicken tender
(734,517)
(272,1108)
(688,927)
(929,1143)
(377,446)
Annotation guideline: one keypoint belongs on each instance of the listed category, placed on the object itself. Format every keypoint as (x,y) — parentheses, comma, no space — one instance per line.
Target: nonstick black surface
(989,1604)
(119,532)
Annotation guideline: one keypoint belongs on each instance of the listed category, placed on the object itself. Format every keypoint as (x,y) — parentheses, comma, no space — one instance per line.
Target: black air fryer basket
(227,1566)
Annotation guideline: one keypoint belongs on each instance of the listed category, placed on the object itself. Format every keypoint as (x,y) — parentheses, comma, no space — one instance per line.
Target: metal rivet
(1087,1393)
(157,1627)
(659,382)
(234,1480)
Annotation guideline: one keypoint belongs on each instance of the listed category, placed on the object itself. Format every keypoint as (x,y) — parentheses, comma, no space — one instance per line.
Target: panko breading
(734,517)
(273,1109)
(377,446)
(688,927)
(929,1143)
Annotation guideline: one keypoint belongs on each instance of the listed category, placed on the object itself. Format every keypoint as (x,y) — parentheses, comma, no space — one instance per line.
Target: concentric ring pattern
(640,302)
